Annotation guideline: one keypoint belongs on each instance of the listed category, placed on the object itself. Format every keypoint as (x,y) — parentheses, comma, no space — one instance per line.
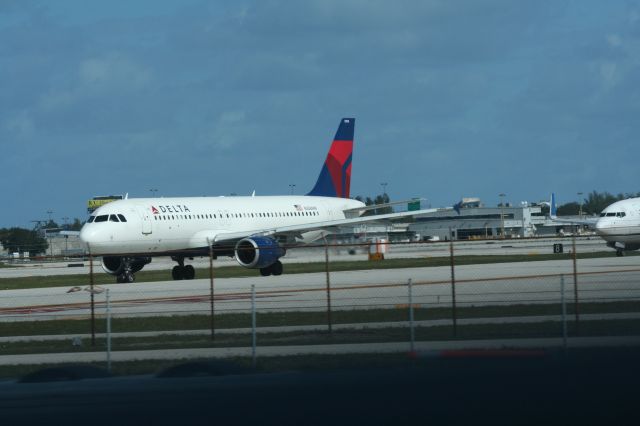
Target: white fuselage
(159,225)
(620,222)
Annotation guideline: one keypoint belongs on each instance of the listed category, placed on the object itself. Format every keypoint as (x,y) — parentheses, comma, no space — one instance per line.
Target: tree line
(378,199)
(32,240)
(593,204)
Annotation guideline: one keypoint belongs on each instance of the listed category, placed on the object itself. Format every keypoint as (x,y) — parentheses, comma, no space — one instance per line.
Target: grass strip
(354,336)
(293,318)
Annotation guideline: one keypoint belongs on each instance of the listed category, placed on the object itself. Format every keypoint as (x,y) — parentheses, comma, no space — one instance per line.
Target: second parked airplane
(618,224)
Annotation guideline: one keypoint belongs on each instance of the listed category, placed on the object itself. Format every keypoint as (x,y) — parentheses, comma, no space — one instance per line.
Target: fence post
(575,284)
(211,289)
(564,314)
(326,262)
(411,322)
(253,325)
(93,313)
(453,287)
(108,331)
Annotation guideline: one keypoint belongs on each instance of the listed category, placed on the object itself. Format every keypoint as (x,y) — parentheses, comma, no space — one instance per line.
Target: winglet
(335,176)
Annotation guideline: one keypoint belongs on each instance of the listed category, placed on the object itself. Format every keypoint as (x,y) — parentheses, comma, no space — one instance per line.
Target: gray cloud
(193,98)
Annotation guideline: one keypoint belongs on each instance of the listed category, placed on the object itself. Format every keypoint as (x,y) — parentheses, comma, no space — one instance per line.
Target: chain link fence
(336,298)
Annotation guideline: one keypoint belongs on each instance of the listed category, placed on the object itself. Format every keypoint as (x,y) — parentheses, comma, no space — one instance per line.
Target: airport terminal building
(471,221)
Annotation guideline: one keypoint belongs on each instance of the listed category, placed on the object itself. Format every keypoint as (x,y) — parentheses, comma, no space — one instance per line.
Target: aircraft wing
(552,215)
(586,221)
(316,226)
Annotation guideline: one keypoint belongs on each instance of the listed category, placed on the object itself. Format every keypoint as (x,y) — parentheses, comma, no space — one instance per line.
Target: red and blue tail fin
(335,176)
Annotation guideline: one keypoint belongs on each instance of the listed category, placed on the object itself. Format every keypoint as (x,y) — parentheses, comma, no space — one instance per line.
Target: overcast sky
(452,99)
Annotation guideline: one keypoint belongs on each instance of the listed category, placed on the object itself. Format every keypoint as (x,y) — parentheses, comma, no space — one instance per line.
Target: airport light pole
(501,195)
(153,192)
(292,186)
(580,197)
(66,237)
(49,212)
(384,187)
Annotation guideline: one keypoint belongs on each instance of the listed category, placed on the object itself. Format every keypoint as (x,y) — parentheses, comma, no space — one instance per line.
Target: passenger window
(102,218)
(122,218)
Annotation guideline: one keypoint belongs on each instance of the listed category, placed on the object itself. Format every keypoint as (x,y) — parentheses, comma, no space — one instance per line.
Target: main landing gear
(182,271)
(273,269)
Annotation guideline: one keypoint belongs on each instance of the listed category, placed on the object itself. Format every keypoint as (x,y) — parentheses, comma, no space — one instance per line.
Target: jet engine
(116,265)
(258,252)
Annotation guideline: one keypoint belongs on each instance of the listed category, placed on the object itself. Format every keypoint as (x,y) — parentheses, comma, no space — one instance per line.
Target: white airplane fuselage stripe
(159,225)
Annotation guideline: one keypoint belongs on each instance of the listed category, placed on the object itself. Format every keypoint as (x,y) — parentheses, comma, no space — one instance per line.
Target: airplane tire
(125,277)
(619,253)
(276,268)
(189,272)
(177,273)
(265,272)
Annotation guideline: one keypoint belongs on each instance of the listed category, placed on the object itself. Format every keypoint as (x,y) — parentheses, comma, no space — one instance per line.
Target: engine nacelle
(116,265)
(258,252)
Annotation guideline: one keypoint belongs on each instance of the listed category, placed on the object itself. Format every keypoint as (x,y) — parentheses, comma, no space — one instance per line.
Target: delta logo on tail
(335,176)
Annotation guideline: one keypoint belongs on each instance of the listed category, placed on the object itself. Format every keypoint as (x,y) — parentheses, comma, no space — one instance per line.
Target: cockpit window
(113,218)
(122,218)
(613,214)
(91,219)
(102,218)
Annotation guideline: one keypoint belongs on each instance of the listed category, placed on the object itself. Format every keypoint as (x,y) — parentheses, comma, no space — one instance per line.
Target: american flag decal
(298,207)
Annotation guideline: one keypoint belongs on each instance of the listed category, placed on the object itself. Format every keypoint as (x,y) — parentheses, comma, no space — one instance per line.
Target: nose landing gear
(126,277)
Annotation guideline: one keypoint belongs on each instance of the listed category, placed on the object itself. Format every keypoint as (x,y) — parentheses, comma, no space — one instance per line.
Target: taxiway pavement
(599,279)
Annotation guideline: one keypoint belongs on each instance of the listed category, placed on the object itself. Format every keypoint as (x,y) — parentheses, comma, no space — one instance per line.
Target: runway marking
(284,292)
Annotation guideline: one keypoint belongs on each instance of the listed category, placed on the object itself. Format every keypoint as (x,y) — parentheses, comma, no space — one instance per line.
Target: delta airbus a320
(255,230)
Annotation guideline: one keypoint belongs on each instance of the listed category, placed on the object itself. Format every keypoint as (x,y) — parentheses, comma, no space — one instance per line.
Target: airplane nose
(601,227)
(87,235)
